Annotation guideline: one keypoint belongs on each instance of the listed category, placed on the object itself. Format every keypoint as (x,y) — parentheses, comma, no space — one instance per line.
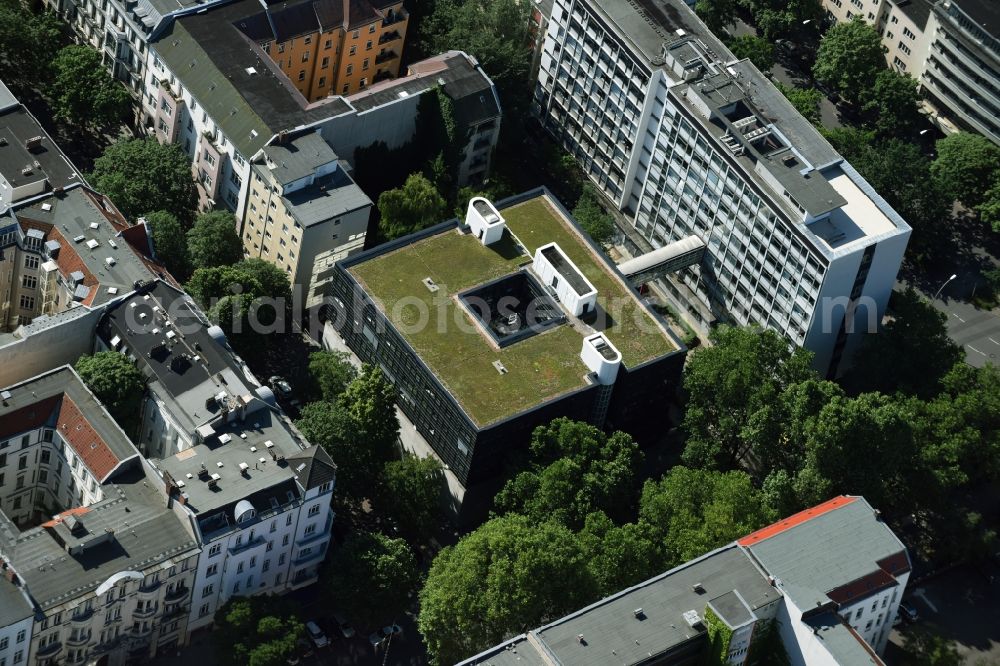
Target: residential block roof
(60,400)
(131,528)
(88,230)
(538,368)
(838,551)
(28,155)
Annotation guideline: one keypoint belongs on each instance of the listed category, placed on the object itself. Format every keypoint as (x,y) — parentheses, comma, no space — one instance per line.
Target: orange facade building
(332,47)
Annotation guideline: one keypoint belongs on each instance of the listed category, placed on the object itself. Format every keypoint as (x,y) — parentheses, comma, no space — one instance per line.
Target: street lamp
(943,286)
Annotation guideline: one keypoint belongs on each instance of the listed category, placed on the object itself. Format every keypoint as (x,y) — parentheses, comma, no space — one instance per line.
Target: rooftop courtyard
(462,354)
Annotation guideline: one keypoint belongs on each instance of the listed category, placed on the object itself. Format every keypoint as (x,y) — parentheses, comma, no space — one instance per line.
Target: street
(956,605)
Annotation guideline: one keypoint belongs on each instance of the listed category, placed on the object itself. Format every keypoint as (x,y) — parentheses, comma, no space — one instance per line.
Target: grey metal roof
(7,98)
(328,197)
(611,626)
(986,13)
(246,442)
(917,11)
(826,551)
(841,641)
(74,213)
(43,161)
(460,76)
(210,56)
(13,606)
(299,157)
(39,401)
(146,534)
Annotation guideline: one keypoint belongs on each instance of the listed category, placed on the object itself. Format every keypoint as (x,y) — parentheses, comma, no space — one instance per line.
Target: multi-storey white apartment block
(16,620)
(86,535)
(234,467)
(121,30)
(691,144)
(952,47)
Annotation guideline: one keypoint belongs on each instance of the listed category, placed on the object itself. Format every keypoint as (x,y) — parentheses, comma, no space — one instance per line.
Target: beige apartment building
(304,211)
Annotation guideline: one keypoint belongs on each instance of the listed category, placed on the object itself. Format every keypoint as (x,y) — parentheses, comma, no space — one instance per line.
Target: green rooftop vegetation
(538,368)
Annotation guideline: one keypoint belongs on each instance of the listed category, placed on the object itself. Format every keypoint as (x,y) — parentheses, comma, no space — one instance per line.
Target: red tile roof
(29,417)
(77,511)
(75,429)
(69,261)
(795,519)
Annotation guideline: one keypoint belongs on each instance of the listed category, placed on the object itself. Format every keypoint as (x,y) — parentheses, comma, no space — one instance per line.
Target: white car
(345,627)
(316,634)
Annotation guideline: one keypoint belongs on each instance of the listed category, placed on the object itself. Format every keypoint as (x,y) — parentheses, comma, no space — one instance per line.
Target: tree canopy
(117,383)
(966,166)
(332,372)
(592,216)
(694,511)
(917,330)
(510,574)
(250,301)
(413,493)
(495,32)
(169,243)
(731,386)
(989,209)
(27,41)
(359,431)
(256,631)
(717,14)
(849,59)
(371,578)
(143,175)
(760,51)
(83,92)
(576,469)
(805,100)
(414,206)
(213,241)
(892,104)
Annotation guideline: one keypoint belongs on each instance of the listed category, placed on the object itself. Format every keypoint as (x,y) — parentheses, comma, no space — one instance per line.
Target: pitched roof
(313,467)
(60,400)
(837,549)
(100,456)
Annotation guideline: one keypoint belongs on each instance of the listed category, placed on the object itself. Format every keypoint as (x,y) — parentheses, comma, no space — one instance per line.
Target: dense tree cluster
(358,428)
(117,383)
(416,205)
(574,526)
(83,92)
(371,578)
(256,631)
(143,175)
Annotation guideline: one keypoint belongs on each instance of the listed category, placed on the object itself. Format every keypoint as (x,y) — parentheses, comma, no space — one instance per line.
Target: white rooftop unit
(485,221)
(557,272)
(601,357)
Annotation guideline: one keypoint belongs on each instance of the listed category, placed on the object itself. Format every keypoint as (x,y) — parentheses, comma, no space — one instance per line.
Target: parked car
(908,612)
(391,629)
(346,630)
(375,638)
(316,634)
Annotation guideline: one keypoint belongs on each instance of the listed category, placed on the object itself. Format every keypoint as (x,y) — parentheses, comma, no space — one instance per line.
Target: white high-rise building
(687,142)
(952,47)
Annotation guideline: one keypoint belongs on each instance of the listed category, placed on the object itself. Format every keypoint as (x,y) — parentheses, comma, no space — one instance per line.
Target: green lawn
(630,327)
(446,338)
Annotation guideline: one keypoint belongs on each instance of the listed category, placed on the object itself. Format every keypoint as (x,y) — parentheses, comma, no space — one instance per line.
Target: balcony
(385,57)
(79,638)
(239,548)
(49,651)
(177,594)
(143,613)
(389,37)
(82,616)
(392,18)
(150,588)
